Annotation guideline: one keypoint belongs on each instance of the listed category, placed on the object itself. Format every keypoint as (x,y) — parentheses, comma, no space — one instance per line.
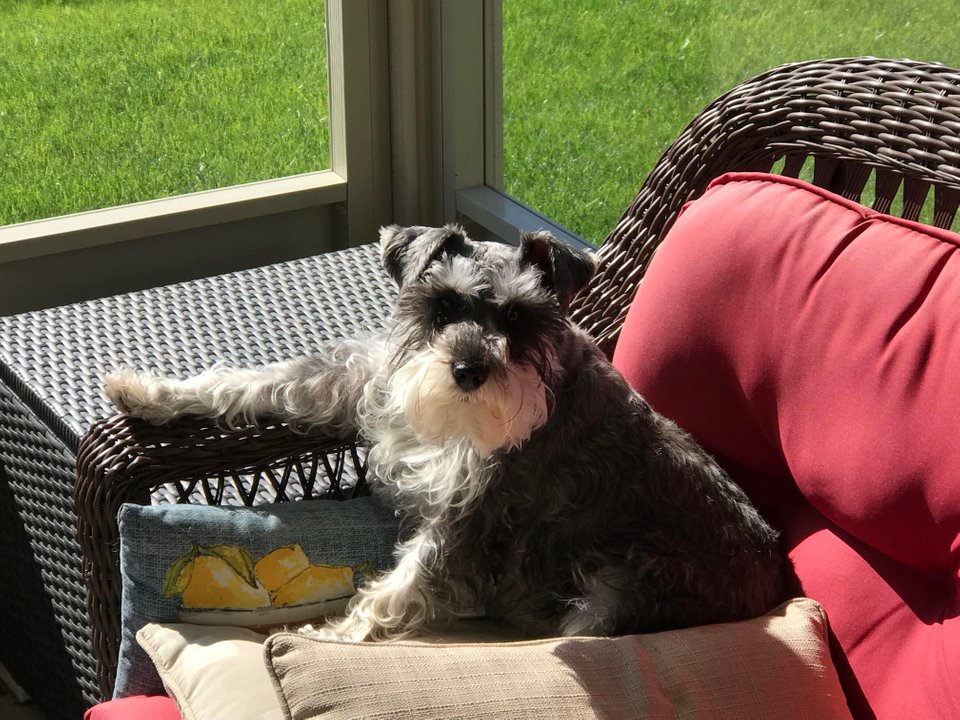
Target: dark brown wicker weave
(897,121)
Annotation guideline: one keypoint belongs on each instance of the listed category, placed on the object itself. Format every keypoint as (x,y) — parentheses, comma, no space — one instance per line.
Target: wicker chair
(898,121)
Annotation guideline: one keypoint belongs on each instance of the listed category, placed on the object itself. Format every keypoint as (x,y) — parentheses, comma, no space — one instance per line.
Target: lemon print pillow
(247,567)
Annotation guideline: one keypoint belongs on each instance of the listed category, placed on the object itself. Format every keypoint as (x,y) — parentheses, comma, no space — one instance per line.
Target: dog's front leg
(321,390)
(395,605)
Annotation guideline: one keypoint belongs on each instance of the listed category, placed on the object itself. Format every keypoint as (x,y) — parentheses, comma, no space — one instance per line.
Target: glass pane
(107,102)
(595,90)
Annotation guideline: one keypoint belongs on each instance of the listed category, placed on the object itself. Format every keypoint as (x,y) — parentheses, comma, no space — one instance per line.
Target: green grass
(104,102)
(107,102)
(595,90)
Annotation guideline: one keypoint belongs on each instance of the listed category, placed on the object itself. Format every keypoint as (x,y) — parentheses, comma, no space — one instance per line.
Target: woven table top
(55,359)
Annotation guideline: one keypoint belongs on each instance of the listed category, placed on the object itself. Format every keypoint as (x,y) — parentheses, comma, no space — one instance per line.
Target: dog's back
(611,519)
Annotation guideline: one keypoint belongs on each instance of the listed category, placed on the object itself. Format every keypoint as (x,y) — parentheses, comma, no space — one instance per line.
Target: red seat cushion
(813,346)
(138,707)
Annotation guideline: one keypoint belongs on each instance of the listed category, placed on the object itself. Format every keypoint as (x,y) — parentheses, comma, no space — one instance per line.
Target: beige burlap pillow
(775,666)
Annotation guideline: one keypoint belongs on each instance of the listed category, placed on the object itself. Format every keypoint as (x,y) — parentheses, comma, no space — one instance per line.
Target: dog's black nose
(469,374)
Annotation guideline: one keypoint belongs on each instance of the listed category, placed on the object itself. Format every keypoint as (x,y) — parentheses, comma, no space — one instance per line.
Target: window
(430,121)
(595,91)
(72,257)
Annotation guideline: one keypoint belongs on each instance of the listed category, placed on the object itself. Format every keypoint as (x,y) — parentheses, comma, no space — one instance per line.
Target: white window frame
(154,217)
(446,112)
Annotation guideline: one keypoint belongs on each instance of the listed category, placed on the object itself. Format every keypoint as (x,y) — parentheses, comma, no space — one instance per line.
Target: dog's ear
(566,270)
(407,251)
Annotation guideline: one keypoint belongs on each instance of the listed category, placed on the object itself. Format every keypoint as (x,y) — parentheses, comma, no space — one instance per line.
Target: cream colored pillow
(776,666)
(216,672)
(212,672)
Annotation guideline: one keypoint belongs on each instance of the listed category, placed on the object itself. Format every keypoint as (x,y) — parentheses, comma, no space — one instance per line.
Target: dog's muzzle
(491,403)
(469,374)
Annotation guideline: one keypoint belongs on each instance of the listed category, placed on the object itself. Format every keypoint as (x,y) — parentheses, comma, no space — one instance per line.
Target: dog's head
(478,326)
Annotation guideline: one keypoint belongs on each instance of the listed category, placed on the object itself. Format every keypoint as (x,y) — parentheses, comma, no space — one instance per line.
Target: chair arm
(122,459)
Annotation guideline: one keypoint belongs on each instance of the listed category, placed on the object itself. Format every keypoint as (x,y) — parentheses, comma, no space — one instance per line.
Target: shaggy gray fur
(539,486)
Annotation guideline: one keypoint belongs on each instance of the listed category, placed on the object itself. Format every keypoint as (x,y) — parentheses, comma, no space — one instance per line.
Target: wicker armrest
(124,460)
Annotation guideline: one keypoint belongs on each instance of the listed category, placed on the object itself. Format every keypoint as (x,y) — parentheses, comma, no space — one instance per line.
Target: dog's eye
(450,308)
(511,313)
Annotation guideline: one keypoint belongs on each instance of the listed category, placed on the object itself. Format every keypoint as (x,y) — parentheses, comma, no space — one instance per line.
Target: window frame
(471,67)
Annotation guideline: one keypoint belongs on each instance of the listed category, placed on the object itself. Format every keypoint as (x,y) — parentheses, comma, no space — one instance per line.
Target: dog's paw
(311,632)
(141,395)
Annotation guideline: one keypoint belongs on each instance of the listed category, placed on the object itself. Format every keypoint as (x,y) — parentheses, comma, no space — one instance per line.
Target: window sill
(155,217)
(506,217)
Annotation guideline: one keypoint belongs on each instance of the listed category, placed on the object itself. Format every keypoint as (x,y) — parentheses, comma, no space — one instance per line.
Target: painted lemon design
(218,576)
(216,585)
(279,567)
(315,584)
(216,582)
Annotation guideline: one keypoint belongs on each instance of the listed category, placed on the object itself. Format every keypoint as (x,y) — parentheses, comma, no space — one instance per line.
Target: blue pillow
(252,567)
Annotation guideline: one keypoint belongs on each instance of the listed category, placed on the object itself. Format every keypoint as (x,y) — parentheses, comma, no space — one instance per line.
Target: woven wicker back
(896,122)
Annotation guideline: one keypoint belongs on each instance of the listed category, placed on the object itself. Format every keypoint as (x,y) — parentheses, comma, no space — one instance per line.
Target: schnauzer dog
(542,490)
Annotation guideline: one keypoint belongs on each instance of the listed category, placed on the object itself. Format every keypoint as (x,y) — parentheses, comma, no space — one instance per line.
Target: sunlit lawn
(595,90)
(114,101)
(104,102)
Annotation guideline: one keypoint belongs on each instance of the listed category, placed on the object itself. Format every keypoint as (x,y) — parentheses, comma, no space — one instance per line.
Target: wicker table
(51,366)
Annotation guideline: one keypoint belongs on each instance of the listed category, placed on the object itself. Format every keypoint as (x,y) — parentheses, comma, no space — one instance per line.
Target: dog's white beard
(500,414)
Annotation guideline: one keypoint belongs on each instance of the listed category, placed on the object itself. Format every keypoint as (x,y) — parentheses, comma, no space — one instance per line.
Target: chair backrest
(897,121)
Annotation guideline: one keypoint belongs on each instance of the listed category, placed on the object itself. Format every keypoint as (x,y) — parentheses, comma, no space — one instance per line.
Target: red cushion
(138,707)
(814,347)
